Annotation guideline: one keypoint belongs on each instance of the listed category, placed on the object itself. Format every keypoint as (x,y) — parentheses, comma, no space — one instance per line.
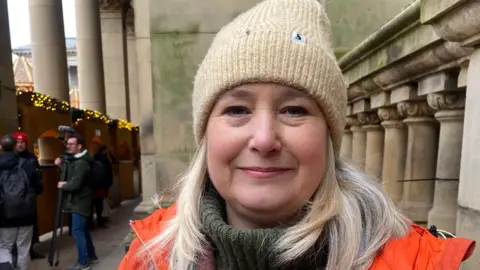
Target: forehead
(271,90)
(72,140)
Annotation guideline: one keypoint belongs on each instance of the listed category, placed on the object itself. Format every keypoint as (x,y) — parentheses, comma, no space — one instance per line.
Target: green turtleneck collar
(243,249)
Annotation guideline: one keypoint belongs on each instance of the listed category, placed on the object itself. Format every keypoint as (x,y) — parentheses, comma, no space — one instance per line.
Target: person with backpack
(102,178)
(19,184)
(23,152)
(78,196)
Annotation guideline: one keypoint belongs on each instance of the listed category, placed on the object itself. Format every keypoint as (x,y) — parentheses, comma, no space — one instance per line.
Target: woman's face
(266,152)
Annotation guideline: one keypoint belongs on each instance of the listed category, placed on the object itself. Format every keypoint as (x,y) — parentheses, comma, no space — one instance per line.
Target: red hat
(21,136)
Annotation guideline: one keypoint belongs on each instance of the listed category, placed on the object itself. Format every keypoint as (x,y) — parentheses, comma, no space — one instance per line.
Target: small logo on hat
(299,38)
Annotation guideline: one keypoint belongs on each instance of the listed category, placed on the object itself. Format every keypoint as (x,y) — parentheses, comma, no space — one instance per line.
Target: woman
(266,189)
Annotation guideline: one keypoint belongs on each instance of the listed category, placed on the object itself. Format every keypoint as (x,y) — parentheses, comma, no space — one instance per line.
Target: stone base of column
(444,212)
(150,190)
(416,211)
(144,209)
(468,222)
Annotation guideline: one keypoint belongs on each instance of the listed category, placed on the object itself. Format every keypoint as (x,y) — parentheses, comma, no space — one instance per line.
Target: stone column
(395,152)
(145,95)
(49,54)
(346,150)
(8,98)
(468,213)
(421,160)
(114,60)
(374,145)
(89,55)
(132,69)
(359,143)
(450,114)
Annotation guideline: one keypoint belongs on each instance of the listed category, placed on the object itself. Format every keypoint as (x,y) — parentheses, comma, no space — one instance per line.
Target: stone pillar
(374,145)
(450,114)
(421,160)
(395,152)
(89,55)
(8,98)
(346,150)
(145,95)
(114,60)
(49,54)
(132,69)
(359,143)
(468,214)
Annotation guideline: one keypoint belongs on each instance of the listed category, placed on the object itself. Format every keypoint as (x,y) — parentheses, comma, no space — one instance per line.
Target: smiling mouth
(263,173)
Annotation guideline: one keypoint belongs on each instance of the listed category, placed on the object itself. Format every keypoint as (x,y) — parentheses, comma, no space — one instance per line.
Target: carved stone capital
(368,118)
(446,101)
(110,5)
(351,121)
(415,109)
(389,114)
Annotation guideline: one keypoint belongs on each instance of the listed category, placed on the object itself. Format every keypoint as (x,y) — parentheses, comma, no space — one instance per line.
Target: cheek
(223,146)
(310,149)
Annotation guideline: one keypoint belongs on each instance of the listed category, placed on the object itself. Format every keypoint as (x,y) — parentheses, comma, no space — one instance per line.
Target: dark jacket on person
(8,161)
(78,193)
(31,158)
(101,157)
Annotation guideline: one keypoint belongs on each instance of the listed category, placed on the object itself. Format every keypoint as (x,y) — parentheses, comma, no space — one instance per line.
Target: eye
(236,111)
(295,111)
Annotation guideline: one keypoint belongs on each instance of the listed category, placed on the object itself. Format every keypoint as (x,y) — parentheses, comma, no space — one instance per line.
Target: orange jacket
(419,250)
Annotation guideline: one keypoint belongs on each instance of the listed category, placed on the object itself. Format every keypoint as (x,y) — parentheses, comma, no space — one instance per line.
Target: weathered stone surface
(446,101)
(361,106)
(381,99)
(457,24)
(433,9)
(389,114)
(403,93)
(469,190)
(207,16)
(415,109)
(438,82)
(353,20)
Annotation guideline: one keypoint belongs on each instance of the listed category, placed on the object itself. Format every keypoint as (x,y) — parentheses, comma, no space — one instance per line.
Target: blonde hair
(349,213)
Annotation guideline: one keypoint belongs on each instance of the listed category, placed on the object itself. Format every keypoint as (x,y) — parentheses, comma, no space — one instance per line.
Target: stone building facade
(413,113)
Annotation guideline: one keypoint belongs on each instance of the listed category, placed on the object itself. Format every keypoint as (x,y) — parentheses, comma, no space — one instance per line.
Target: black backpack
(98,174)
(17,197)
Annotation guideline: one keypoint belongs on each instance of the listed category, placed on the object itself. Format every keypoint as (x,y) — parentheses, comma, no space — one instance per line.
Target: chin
(257,203)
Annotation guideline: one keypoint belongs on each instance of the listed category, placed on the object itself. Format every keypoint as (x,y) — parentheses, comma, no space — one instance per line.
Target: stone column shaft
(114,62)
(50,72)
(375,137)
(132,76)
(395,152)
(444,211)
(421,160)
(89,55)
(346,150)
(145,95)
(8,98)
(359,145)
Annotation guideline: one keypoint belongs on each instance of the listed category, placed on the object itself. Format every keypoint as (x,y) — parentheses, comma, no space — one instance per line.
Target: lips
(264,172)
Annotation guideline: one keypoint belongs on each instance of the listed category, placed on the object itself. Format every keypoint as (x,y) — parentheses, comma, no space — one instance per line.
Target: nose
(264,139)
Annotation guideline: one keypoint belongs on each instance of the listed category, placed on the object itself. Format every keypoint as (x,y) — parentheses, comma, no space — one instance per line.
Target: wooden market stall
(39,116)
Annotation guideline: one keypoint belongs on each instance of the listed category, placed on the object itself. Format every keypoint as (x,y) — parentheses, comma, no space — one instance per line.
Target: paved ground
(108,242)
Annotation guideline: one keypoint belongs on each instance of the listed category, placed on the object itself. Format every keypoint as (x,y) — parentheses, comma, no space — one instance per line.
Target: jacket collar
(81,154)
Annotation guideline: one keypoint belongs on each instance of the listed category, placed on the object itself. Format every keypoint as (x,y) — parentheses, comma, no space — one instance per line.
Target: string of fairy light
(48,103)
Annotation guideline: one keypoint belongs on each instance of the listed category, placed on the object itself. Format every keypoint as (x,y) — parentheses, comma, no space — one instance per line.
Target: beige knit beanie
(279,41)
